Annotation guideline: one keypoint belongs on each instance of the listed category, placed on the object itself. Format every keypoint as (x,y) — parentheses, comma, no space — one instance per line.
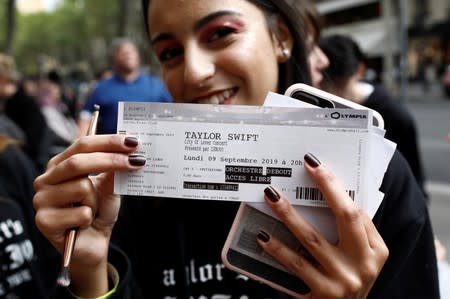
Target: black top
(19,273)
(29,263)
(400,128)
(174,246)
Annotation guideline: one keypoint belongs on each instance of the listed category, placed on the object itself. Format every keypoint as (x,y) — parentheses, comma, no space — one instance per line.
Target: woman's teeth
(214,100)
(218,98)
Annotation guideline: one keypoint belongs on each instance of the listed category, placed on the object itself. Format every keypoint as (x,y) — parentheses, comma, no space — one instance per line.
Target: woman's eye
(221,32)
(168,54)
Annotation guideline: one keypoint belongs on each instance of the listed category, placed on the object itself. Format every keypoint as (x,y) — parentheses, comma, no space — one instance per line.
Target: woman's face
(318,62)
(214,51)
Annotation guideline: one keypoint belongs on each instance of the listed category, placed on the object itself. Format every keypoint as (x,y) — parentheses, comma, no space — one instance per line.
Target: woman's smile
(223,97)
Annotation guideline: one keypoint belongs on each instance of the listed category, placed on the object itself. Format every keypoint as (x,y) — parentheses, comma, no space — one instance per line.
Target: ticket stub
(233,152)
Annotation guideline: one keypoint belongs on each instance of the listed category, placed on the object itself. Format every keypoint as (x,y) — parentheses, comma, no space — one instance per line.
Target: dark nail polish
(131,141)
(272,194)
(136,160)
(312,160)
(263,236)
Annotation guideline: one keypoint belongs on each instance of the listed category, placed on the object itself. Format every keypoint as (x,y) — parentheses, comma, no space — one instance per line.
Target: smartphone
(241,252)
(320,98)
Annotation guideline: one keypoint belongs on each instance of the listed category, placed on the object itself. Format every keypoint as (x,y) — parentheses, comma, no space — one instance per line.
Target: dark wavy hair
(345,57)
(297,16)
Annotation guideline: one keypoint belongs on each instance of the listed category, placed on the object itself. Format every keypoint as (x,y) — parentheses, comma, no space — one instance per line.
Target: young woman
(231,52)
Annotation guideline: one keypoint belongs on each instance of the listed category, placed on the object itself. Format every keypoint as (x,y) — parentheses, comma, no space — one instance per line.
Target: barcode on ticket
(311,193)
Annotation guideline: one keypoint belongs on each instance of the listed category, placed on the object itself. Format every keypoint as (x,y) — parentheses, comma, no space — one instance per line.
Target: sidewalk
(415,92)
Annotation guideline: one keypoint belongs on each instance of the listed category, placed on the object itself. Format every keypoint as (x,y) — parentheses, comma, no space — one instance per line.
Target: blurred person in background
(31,86)
(24,111)
(8,127)
(446,81)
(343,77)
(67,92)
(128,83)
(60,121)
(28,261)
(317,60)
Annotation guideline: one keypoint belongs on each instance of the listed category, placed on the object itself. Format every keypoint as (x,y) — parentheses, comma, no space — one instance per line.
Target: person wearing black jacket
(230,52)
(343,77)
(25,112)
(28,266)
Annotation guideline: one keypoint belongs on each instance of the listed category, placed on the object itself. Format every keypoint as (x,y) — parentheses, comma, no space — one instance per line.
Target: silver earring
(286,53)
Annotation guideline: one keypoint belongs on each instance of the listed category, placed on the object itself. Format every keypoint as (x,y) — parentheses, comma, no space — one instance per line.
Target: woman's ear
(283,40)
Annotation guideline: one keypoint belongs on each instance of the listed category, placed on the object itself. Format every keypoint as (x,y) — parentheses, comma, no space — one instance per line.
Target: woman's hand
(66,198)
(347,269)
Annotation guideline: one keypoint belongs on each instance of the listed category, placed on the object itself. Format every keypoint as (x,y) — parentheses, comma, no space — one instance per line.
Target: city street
(432,113)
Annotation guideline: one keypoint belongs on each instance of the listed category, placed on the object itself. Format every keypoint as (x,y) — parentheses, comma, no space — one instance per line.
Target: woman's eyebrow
(203,21)
(197,26)
(161,37)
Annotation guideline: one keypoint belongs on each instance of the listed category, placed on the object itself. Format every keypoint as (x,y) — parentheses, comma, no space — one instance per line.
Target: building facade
(404,39)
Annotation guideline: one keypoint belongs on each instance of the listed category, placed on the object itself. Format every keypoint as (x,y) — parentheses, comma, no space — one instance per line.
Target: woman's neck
(356,91)
(129,76)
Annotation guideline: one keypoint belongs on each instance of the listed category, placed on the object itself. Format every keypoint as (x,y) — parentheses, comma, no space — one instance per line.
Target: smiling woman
(228,52)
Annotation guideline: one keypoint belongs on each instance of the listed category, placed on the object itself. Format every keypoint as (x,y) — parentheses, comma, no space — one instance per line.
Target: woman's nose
(324,62)
(199,66)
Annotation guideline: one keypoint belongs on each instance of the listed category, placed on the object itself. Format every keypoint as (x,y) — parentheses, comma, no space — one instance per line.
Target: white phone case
(295,90)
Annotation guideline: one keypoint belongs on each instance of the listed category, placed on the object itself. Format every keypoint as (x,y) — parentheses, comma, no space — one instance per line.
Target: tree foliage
(2,23)
(77,32)
(10,24)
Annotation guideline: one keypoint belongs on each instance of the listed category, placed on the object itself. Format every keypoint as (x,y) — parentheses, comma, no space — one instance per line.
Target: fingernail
(272,194)
(263,236)
(312,160)
(136,160)
(131,141)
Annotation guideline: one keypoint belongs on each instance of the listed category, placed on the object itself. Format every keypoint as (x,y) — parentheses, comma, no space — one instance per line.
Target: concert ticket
(233,152)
